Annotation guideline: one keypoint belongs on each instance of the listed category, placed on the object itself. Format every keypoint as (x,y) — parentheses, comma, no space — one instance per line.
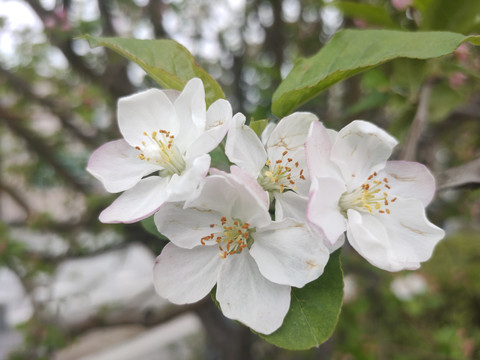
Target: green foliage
(372,14)
(440,323)
(460,16)
(166,61)
(149,225)
(314,310)
(258,126)
(350,52)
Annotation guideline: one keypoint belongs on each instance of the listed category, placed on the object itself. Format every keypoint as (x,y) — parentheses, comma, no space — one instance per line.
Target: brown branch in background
(38,146)
(65,46)
(114,80)
(105,12)
(148,319)
(155,10)
(464,175)
(16,196)
(275,39)
(221,331)
(409,149)
(25,89)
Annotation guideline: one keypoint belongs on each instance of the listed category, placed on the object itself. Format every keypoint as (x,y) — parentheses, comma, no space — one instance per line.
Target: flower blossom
(379,203)
(279,164)
(225,236)
(168,135)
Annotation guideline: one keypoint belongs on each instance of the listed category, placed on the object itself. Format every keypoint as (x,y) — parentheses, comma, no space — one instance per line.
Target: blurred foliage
(57,104)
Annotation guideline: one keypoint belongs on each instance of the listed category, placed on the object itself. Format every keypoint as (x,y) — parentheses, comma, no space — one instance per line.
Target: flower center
(160,149)
(281,175)
(372,197)
(232,236)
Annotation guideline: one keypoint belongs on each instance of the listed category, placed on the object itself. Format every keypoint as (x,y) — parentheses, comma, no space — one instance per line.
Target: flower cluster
(272,221)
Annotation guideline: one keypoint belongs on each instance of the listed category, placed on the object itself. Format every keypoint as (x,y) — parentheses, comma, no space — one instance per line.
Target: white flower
(279,166)
(167,134)
(225,236)
(408,286)
(379,203)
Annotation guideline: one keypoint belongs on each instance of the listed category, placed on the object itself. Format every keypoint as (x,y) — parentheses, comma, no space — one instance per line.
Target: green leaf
(350,52)
(218,158)
(443,100)
(258,126)
(370,101)
(149,225)
(459,15)
(372,14)
(314,310)
(170,64)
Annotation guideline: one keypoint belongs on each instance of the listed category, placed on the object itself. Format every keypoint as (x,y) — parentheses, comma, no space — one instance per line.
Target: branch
(147,319)
(16,196)
(113,81)
(409,150)
(104,6)
(232,340)
(24,89)
(38,146)
(155,10)
(460,176)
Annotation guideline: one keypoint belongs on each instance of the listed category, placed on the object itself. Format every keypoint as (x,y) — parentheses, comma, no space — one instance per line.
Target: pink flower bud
(401,5)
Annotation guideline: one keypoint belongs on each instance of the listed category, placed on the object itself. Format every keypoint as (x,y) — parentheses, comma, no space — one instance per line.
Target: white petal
(219,115)
(191,111)
(214,193)
(360,149)
(232,199)
(318,145)
(185,227)
(409,180)
(245,295)
(413,236)
(244,148)
(323,210)
(186,276)
(137,203)
(290,204)
(267,132)
(116,165)
(337,245)
(289,134)
(171,94)
(288,253)
(368,236)
(146,111)
(250,183)
(399,241)
(182,187)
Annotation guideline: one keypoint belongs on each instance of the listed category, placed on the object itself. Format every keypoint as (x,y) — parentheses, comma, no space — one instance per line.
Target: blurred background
(73,288)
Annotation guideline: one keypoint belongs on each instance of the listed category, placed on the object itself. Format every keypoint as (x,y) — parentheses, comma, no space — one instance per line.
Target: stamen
(278,176)
(369,197)
(232,236)
(160,149)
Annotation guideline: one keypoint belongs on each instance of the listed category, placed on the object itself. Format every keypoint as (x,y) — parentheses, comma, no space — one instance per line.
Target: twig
(409,150)
(16,196)
(23,88)
(38,146)
(464,175)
